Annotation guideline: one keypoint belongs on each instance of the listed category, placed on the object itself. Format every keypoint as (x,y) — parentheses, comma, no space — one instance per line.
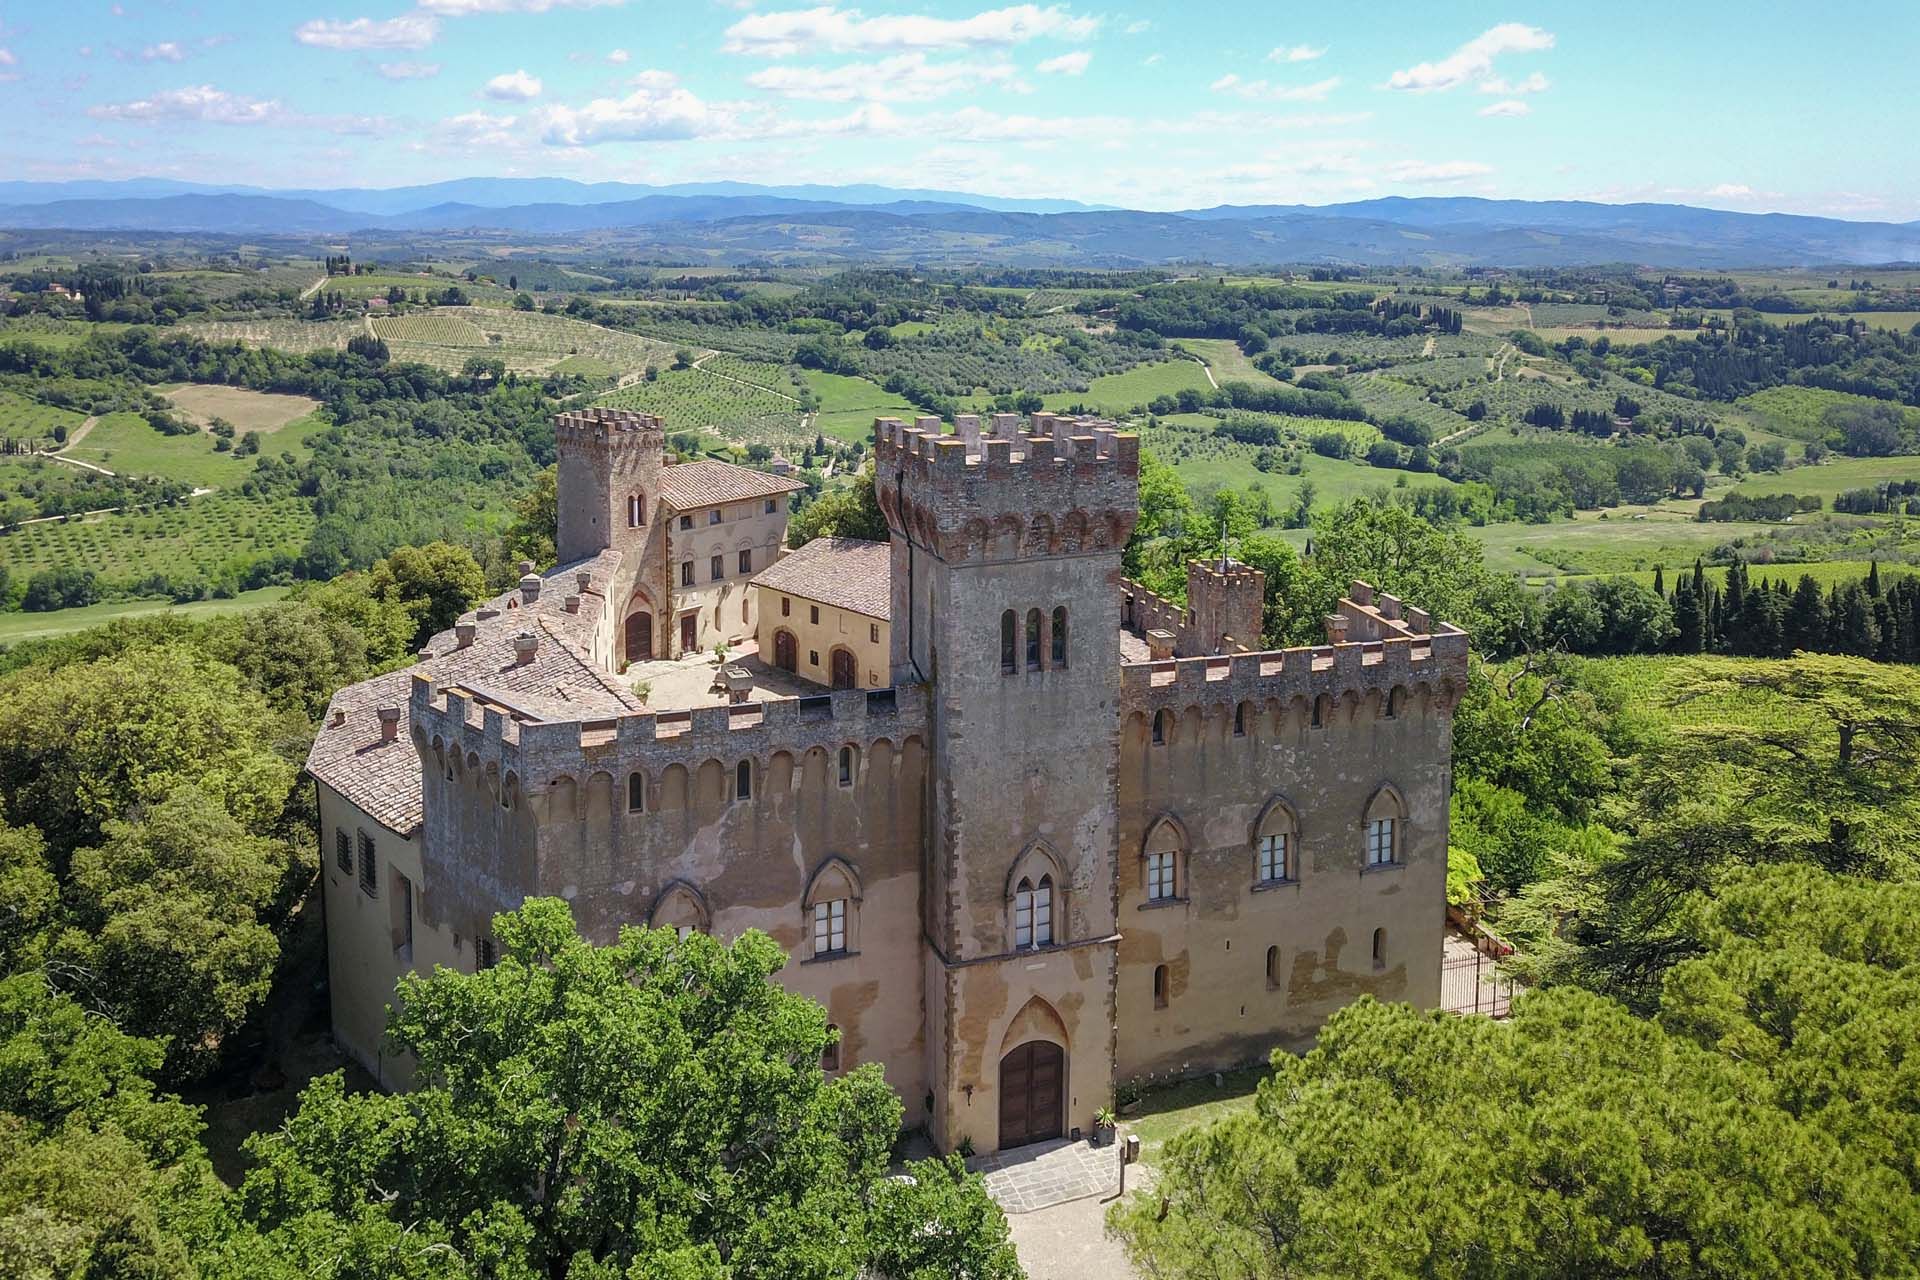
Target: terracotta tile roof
(705,484)
(561,681)
(847,573)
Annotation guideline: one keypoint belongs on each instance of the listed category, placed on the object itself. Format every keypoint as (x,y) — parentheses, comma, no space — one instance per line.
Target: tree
(1867,430)
(536,521)
(438,581)
(99,1175)
(850,511)
(89,742)
(1156,553)
(652,1108)
(1576,1139)
(66,587)
(169,924)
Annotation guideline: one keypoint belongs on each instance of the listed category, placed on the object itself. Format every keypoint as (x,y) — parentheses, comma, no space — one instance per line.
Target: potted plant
(1103,1125)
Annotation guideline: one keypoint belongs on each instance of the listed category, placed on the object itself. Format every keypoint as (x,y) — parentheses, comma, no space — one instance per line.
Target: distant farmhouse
(1024,829)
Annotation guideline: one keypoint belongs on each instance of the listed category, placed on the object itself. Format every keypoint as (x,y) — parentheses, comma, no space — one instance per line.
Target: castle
(1079,835)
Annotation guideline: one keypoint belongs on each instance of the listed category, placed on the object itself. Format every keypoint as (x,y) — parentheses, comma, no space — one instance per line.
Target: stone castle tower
(1005,580)
(608,499)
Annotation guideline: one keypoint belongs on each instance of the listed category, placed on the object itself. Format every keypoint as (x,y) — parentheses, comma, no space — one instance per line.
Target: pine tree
(1807,617)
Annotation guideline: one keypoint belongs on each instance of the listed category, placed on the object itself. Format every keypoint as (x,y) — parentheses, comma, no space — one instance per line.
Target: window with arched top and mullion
(1033,639)
(1276,844)
(1033,913)
(1059,654)
(1383,828)
(1009,653)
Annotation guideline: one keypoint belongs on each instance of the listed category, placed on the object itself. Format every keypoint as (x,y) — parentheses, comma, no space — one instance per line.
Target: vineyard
(296,336)
(528,341)
(198,539)
(699,400)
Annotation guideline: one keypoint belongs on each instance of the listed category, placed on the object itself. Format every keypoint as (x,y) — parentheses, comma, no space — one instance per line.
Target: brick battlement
(1385,650)
(994,491)
(535,750)
(600,422)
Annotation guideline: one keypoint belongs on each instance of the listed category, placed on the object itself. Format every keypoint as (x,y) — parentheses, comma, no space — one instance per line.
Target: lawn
(1212,462)
(1827,479)
(22,418)
(848,406)
(1617,544)
(1191,1104)
(1119,393)
(15,627)
(127,444)
(1228,362)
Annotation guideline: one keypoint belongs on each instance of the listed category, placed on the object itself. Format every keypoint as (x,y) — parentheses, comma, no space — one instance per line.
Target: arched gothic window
(1033,639)
(636,792)
(1009,657)
(1033,913)
(1060,635)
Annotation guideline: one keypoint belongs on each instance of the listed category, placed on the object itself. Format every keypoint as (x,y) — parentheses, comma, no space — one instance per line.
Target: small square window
(813,657)
(686,522)
(1380,842)
(1273,856)
(830,927)
(786,607)
(770,506)
(714,516)
(813,614)
(873,632)
(1160,883)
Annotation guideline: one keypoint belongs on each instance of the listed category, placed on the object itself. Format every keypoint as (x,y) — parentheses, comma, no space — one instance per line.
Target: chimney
(572,604)
(424,654)
(526,567)
(1160,644)
(484,614)
(466,631)
(530,587)
(583,580)
(339,717)
(389,723)
(525,645)
(1336,628)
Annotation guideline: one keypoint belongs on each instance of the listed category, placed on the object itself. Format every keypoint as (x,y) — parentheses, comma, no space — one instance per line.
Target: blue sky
(1740,104)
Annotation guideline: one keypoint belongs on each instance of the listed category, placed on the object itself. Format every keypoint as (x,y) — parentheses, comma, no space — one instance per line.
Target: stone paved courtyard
(1050,1173)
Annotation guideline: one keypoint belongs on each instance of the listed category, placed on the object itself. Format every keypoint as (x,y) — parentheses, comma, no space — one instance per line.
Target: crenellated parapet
(512,749)
(999,489)
(1386,649)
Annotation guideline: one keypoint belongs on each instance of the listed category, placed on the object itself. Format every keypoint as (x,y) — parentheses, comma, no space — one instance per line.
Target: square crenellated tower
(609,479)
(1006,541)
(1226,601)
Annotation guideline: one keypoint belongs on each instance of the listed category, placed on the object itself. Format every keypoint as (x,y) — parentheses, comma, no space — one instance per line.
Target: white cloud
(653,79)
(1152,60)
(410,31)
(796,31)
(1437,171)
(1535,83)
(619,57)
(461,8)
(906,77)
(1138,27)
(1265,91)
(209,105)
(1731,191)
(479,129)
(651,113)
(7,59)
(1511,107)
(1472,59)
(1067,64)
(513,86)
(1297,53)
(165,51)
(409,70)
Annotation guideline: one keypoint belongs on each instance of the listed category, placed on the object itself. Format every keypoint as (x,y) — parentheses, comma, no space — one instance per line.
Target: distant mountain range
(729,221)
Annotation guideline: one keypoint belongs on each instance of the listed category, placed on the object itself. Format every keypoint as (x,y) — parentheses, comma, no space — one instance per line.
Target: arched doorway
(786,650)
(640,637)
(844,673)
(1032,1080)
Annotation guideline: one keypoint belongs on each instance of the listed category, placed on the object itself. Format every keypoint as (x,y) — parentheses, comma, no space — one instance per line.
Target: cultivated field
(296,336)
(261,411)
(848,406)
(527,341)
(696,400)
(15,627)
(201,537)
(1117,393)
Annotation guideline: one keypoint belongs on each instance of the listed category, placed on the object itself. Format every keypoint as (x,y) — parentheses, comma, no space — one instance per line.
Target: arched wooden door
(640,637)
(786,651)
(844,674)
(1032,1079)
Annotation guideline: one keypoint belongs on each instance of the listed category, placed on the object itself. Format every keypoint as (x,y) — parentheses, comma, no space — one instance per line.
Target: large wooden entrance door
(786,650)
(640,637)
(843,669)
(1031,1080)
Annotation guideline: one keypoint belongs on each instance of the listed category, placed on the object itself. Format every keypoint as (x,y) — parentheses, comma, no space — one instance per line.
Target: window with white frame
(1033,913)
(830,926)
(1160,876)
(1275,855)
(1380,832)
